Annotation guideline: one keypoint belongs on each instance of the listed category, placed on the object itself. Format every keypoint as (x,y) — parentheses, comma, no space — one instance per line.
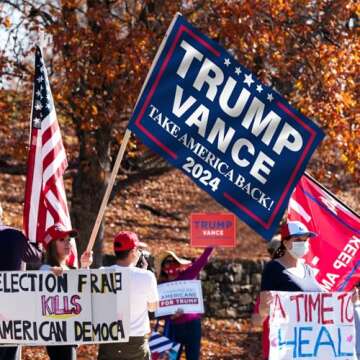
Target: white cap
(295,228)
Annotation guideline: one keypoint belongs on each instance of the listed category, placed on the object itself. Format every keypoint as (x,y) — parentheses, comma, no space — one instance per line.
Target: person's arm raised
(193,271)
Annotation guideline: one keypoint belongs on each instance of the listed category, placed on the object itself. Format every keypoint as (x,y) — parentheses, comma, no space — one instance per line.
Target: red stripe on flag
(29,180)
(59,172)
(41,219)
(56,151)
(50,131)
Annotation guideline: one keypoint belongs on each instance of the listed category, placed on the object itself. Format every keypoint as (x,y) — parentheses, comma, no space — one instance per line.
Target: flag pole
(329,192)
(109,187)
(123,146)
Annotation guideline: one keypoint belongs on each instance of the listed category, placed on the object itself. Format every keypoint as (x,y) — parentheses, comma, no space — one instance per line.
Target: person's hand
(144,263)
(179,312)
(256,320)
(164,356)
(86,259)
(57,270)
(266,298)
(355,297)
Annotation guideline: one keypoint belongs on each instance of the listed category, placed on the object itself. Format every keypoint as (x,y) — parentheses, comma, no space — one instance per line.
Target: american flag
(160,344)
(45,197)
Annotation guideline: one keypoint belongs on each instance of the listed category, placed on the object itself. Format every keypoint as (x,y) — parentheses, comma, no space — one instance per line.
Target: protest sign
(311,325)
(40,308)
(185,295)
(212,229)
(233,136)
(338,235)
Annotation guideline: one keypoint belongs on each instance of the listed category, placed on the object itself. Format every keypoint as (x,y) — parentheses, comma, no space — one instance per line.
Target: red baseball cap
(127,240)
(295,228)
(58,231)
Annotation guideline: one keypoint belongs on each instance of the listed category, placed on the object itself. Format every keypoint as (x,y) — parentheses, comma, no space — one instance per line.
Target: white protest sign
(185,295)
(311,325)
(81,306)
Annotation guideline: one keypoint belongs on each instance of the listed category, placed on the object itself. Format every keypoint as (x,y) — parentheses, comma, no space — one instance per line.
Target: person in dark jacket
(286,271)
(15,251)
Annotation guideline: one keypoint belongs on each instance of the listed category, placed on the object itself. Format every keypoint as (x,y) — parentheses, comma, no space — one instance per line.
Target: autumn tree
(99,51)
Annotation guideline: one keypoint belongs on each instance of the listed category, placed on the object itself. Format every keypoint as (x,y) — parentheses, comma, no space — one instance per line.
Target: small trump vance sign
(213,229)
(233,136)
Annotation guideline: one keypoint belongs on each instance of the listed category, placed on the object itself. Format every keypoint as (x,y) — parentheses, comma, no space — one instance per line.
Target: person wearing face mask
(286,271)
(184,329)
(144,297)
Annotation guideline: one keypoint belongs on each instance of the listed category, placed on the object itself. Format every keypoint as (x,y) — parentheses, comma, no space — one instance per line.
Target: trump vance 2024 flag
(233,136)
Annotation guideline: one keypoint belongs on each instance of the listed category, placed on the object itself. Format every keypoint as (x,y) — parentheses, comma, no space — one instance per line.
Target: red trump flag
(45,197)
(335,253)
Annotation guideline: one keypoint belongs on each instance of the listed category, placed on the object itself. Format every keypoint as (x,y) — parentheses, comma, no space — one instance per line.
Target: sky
(7,44)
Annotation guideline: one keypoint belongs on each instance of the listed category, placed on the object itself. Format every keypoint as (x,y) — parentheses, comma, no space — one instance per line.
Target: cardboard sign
(185,295)
(79,307)
(212,229)
(236,138)
(312,326)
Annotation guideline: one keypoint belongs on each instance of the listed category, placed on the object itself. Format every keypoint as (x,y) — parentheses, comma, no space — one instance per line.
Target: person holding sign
(58,248)
(143,298)
(183,328)
(256,318)
(15,250)
(286,271)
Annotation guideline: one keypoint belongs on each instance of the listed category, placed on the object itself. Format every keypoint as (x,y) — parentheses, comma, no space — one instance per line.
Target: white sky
(7,44)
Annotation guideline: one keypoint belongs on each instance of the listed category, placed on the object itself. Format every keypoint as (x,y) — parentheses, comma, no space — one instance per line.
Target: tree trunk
(89,187)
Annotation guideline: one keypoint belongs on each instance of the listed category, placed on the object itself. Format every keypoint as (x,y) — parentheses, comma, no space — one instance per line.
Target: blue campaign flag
(233,136)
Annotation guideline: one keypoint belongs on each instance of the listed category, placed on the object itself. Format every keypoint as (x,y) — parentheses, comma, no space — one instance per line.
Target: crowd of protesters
(285,272)
(185,329)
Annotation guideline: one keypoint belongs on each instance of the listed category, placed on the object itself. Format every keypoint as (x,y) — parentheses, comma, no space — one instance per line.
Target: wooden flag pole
(124,144)
(110,185)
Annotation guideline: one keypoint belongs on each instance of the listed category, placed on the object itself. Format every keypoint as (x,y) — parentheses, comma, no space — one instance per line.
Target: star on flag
(40,79)
(248,79)
(259,88)
(227,62)
(38,105)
